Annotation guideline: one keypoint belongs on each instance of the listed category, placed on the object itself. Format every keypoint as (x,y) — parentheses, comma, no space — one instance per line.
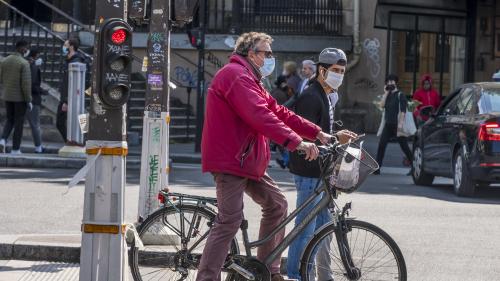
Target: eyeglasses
(267,54)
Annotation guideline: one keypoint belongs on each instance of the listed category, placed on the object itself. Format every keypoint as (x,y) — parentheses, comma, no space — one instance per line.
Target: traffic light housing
(115,63)
(194,36)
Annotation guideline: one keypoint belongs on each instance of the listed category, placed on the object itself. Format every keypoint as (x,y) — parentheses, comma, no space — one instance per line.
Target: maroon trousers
(230,191)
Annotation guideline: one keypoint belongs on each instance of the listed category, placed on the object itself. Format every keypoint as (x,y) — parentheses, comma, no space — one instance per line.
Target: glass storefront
(423,44)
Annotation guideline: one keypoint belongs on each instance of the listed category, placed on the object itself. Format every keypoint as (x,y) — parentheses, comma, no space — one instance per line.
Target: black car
(461,140)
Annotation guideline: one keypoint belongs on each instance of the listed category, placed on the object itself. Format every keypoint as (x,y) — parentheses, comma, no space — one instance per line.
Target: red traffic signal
(119,36)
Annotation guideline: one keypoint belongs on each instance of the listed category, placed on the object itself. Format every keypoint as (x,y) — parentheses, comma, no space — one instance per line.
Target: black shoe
(377,172)
(281,163)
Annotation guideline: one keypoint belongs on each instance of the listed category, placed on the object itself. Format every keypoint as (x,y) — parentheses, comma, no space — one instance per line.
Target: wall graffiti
(366,84)
(187,77)
(372,48)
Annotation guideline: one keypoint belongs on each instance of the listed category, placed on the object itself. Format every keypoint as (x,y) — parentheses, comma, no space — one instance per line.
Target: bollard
(76,100)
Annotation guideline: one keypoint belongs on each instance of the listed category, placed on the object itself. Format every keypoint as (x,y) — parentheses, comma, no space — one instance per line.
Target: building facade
(454,41)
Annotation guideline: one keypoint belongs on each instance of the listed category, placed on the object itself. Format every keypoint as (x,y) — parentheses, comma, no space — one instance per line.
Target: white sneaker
(38,149)
(16,152)
(2,146)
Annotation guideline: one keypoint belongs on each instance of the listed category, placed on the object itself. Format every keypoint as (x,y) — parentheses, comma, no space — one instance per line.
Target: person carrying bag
(396,120)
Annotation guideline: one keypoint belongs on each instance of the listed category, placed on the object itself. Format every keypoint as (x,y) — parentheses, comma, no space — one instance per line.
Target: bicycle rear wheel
(173,238)
(373,252)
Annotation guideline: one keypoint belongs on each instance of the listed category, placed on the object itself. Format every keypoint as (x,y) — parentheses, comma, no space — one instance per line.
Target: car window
(463,103)
(451,107)
(489,101)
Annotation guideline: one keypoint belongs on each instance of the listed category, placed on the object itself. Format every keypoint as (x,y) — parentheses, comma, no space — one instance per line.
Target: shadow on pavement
(400,185)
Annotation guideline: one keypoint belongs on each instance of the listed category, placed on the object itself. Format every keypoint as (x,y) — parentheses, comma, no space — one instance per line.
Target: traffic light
(115,63)
(194,35)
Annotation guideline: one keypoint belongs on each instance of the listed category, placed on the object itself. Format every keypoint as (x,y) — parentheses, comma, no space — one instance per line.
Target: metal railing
(288,17)
(17,25)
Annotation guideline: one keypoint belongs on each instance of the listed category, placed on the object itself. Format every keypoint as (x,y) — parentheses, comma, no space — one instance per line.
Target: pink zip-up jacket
(240,118)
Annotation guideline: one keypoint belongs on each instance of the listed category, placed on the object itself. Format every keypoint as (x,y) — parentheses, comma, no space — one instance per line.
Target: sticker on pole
(84,124)
(155,81)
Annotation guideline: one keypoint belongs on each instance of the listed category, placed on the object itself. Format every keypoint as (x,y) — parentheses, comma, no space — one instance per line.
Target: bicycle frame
(323,203)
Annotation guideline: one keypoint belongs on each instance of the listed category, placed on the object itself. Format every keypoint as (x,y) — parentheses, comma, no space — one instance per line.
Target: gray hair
(248,41)
(309,63)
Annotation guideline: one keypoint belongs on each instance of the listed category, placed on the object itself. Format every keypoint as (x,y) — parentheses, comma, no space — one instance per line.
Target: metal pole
(76,100)
(200,104)
(104,249)
(155,135)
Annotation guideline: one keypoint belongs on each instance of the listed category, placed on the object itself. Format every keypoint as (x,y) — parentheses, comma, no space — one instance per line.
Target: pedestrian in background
(393,102)
(426,96)
(72,54)
(281,92)
(308,71)
(292,77)
(15,77)
(316,104)
(33,115)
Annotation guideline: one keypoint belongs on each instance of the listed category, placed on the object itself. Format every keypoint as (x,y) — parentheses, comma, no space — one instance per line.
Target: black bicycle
(344,249)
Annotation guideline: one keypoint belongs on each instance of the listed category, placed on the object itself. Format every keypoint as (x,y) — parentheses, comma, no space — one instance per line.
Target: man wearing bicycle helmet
(316,104)
(240,119)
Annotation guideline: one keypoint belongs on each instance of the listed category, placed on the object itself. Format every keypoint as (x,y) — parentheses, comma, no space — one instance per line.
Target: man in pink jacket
(240,119)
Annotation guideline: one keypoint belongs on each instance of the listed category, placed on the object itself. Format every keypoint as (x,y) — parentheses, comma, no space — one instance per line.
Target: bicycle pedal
(241,271)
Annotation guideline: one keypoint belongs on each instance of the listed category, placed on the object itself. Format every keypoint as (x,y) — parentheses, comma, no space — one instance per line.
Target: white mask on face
(334,80)
(26,53)
(268,67)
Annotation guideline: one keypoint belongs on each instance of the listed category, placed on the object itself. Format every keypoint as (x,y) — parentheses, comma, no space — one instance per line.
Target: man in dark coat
(316,104)
(33,116)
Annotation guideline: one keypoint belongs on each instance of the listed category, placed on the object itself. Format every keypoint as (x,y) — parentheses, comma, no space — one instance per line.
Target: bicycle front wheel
(372,251)
(173,238)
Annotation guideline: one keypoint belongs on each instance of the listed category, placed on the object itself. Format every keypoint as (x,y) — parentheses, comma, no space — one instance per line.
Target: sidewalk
(179,153)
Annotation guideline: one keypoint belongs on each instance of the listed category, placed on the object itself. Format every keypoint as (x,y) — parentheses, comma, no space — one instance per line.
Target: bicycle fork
(341,230)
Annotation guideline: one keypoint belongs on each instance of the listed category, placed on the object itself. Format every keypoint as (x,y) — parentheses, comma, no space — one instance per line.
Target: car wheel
(420,177)
(462,184)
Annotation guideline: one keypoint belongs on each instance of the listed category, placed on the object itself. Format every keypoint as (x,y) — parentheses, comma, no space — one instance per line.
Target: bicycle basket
(350,168)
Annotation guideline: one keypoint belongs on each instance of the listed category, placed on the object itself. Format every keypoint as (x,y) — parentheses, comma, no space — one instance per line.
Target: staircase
(15,25)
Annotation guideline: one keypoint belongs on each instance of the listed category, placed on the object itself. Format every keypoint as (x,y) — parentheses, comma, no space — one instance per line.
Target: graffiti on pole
(156,134)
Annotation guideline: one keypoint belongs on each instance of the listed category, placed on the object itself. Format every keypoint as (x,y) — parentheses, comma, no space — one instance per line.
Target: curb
(55,161)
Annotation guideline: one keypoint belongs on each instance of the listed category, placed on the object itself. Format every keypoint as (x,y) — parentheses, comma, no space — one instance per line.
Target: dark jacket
(36,80)
(280,95)
(312,104)
(77,57)
(395,102)
(15,78)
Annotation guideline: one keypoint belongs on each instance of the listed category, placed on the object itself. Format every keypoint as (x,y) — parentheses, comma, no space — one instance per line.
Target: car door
(454,129)
(434,139)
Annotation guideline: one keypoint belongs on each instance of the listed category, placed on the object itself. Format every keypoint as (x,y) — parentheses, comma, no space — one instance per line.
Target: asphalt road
(442,237)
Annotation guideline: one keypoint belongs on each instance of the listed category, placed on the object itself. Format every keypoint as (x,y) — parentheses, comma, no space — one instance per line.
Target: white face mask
(38,62)
(26,53)
(334,80)
(268,67)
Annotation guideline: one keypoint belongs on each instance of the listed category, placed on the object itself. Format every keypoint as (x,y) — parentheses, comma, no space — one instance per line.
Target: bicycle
(362,250)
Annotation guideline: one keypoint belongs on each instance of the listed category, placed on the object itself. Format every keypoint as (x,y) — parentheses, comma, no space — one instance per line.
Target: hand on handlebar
(324,138)
(346,136)
(310,149)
